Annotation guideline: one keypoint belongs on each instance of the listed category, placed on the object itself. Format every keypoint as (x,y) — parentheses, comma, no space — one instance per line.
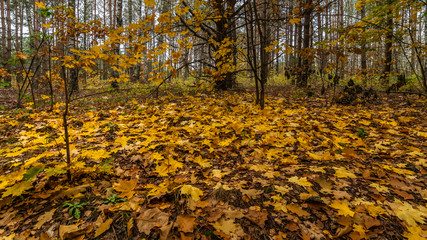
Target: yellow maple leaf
(379,187)
(325,156)
(204,163)
(300,181)
(96,154)
(282,190)
(194,192)
(342,207)
(17,189)
(259,168)
(157,189)
(122,141)
(294,20)
(343,173)
(150,3)
(40,5)
(415,233)
(125,185)
(167,167)
(228,227)
(404,211)
(374,210)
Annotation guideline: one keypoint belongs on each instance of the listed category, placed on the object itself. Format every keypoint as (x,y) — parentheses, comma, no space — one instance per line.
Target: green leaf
(77,213)
(32,172)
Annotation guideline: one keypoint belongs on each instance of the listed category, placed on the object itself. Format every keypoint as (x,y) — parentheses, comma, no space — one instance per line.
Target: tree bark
(388,44)
(304,55)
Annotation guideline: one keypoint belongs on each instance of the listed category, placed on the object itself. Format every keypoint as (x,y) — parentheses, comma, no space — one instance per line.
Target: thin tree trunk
(3,35)
(363,58)
(388,44)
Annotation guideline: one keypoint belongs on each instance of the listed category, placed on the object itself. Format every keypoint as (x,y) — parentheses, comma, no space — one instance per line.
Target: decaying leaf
(44,219)
(72,231)
(297,210)
(103,227)
(150,219)
(185,223)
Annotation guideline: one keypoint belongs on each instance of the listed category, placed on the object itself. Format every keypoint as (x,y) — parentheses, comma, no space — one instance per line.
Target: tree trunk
(72,44)
(119,22)
(363,58)
(3,36)
(223,81)
(305,59)
(388,44)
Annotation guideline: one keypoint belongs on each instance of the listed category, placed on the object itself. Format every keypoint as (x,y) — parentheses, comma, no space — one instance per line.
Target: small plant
(113,199)
(75,208)
(362,134)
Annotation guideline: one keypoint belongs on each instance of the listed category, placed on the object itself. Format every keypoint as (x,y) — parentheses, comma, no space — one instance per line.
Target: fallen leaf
(103,227)
(185,223)
(415,233)
(343,173)
(371,222)
(125,187)
(257,217)
(151,218)
(17,189)
(300,181)
(129,227)
(72,192)
(229,227)
(404,211)
(194,192)
(73,231)
(291,226)
(44,219)
(297,210)
(342,208)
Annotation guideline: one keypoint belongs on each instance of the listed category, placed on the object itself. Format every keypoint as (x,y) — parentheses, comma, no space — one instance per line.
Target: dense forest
(222,119)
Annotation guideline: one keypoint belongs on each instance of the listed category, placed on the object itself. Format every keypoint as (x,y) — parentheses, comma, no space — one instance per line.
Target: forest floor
(215,166)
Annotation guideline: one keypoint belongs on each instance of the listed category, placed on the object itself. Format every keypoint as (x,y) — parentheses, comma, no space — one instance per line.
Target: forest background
(169,107)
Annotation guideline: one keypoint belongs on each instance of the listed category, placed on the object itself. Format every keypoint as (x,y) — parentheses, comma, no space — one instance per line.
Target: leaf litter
(205,167)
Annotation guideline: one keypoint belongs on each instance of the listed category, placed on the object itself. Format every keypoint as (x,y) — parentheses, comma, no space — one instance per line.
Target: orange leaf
(185,223)
(103,227)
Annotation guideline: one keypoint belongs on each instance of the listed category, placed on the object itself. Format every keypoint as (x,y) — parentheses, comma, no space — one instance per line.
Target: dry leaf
(185,223)
(257,217)
(229,227)
(103,227)
(297,210)
(44,219)
(342,208)
(73,231)
(129,227)
(125,187)
(194,192)
(151,218)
